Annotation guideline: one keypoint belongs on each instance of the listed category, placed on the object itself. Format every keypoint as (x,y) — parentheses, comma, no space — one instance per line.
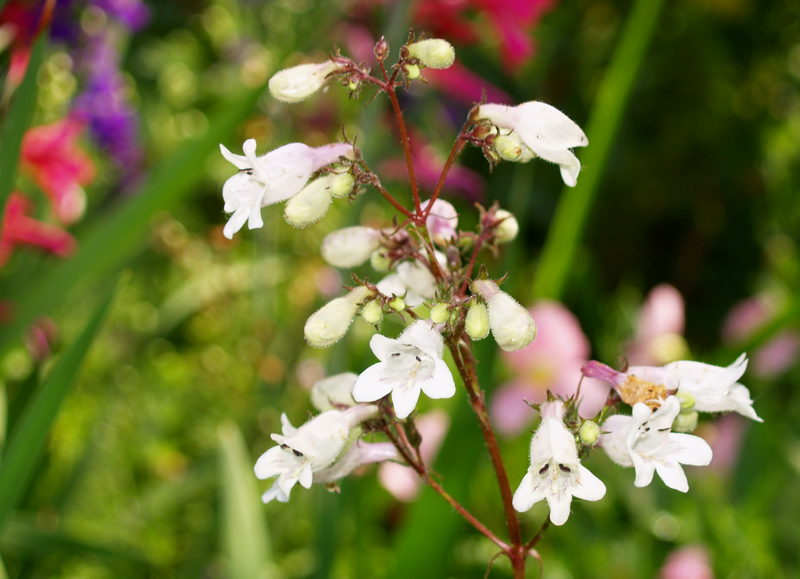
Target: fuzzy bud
(508,229)
(685,422)
(351,246)
(477,323)
(292,85)
(380,261)
(311,204)
(397,304)
(439,313)
(330,323)
(509,148)
(342,185)
(589,432)
(686,399)
(433,52)
(512,325)
(372,312)
(411,71)
(381,49)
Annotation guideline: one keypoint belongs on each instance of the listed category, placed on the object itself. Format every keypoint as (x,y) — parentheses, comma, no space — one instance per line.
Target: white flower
(556,473)
(411,363)
(359,454)
(334,392)
(311,203)
(303,451)
(330,323)
(545,130)
(715,389)
(442,222)
(646,442)
(351,246)
(513,327)
(412,280)
(274,177)
(295,84)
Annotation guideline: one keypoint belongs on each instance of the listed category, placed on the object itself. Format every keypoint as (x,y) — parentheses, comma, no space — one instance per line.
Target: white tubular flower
(351,246)
(715,389)
(410,364)
(330,323)
(334,392)
(442,221)
(556,473)
(274,177)
(513,327)
(412,280)
(292,85)
(545,130)
(311,203)
(303,451)
(433,52)
(360,453)
(646,442)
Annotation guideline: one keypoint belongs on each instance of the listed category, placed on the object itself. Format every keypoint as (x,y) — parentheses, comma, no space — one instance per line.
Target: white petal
(270,464)
(274,492)
(673,476)
(689,449)
(404,400)
(382,346)
(238,160)
(286,426)
(391,286)
(559,507)
(236,221)
(529,492)
(544,127)
(424,336)
(306,476)
(644,470)
(587,486)
(570,170)
(441,384)
(372,384)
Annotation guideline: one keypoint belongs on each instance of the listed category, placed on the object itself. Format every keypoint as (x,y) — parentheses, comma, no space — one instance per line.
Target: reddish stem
(478,242)
(458,146)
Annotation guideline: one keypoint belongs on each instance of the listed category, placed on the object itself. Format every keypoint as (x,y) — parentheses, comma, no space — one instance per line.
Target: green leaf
(18,119)
(245,540)
(119,235)
(28,439)
(571,215)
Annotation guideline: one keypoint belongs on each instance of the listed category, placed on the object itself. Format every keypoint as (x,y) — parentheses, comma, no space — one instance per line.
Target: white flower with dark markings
(410,364)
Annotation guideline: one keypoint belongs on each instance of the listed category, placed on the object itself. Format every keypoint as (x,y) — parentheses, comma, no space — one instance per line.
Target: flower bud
(509,148)
(381,49)
(685,421)
(411,71)
(439,313)
(311,204)
(351,246)
(477,323)
(508,229)
(330,323)
(397,304)
(292,85)
(334,392)
(352,85)
(686,399)
(342,185)
(589,432)
(512,325)
(379,260)
(433,52)
(372,312)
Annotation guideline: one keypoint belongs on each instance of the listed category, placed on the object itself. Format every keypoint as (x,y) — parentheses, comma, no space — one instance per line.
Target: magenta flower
(19,228)
(51,156)
(552,362)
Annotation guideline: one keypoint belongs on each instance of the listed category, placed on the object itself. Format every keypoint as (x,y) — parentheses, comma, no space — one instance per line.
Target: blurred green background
(146,471)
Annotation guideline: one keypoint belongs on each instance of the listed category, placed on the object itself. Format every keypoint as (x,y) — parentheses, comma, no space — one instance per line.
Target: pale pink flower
(19,228)
(442,222)
(659,328)
(687,563)
(403,482)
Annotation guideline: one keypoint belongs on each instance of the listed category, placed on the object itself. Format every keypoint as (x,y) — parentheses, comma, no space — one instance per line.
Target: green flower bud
(686,399)
(589,432)
(352,85)
(433,52)
(509,148)
(685,421)
(372,312)
(342,185)
(379,260)
(397,304)
(439,313)
(477,322)
(411,71)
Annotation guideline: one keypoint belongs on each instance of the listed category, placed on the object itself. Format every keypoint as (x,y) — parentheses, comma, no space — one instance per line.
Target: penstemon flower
(556,474)
(334,392)
(410,364)
(271,178)
(442,222)
(292,85)
(646,442)
(412,281)
(512,326)
(351,246)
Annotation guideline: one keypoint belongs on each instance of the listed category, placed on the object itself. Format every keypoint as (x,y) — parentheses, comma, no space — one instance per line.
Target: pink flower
(20,229)
(659,330)
(687,563)
(402,481)
(745,318)
(465,86)
(58,166)
(552,362)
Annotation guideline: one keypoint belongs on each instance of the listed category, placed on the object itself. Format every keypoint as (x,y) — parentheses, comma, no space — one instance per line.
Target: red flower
(19,228)
(56,164)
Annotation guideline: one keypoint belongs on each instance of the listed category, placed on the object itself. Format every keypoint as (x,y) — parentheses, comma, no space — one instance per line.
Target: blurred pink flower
(18,228)
(687,563)
(725,435)
(465,86)
(402,481)
(659,329)
(552,362)
(745,318)
(58,166)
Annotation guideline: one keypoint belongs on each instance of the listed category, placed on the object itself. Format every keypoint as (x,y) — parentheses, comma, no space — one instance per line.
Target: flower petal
(559,504)
(673,476)
(372,384)
(404,399)
(529,492)
(587,486)
(689,449)
(441,384)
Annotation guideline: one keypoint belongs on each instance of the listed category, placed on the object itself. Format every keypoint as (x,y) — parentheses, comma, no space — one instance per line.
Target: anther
(564,468)
(544,468)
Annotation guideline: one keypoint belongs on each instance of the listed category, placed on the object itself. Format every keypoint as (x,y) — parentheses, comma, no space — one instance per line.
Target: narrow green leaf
(245,540)
(27,441)
(119,235)
(18,119)
(573,209)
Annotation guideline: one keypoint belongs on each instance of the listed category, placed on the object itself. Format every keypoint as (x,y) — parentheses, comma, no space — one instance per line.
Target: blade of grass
(27,441)
(18,119)
(573,209)
(245,541)
(120,234)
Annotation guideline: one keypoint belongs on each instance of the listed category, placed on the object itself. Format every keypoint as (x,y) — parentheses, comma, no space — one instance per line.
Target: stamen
(544,468)
(564,468)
